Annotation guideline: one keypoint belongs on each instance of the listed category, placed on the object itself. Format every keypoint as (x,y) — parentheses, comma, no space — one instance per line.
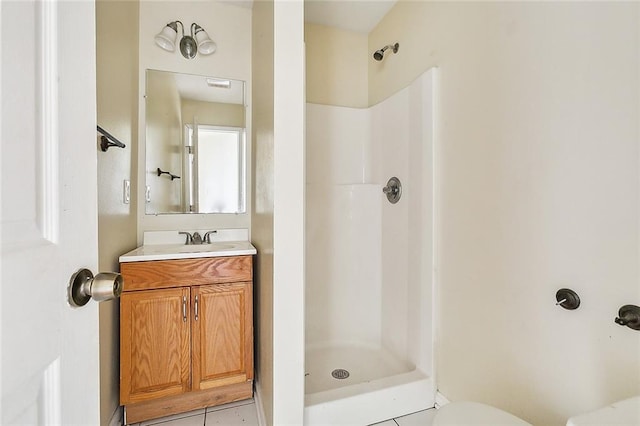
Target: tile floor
(421,418)
(245,413)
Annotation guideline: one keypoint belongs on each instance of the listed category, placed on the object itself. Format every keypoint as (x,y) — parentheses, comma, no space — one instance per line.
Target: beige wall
(336,66)
(213,113)
(262,214)
(230,27)
(537,168)
(117,91)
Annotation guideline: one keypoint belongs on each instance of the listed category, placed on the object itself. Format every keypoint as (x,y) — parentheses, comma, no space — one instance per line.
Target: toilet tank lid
(474,413)
(626,412)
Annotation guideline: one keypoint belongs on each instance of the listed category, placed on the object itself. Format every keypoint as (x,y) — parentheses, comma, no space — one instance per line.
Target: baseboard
(193,400)
(441,400)
(117,418)
(257,396)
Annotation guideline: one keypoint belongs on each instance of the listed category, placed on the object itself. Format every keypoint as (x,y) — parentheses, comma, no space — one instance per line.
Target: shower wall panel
(402,146)
(338,145)
(420,222)
(390,139)
(343,230)
(343,265)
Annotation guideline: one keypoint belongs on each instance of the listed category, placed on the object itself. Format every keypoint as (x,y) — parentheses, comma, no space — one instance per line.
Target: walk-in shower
(369,262)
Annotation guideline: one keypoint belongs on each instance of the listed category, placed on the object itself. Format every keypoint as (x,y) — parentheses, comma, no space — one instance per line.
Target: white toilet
(474,413)
(621,413)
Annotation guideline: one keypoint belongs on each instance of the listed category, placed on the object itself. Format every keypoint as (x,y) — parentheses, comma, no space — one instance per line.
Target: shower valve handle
(393,190)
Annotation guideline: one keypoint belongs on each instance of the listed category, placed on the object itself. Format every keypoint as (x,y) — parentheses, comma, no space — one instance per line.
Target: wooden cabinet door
(222,334)
(154,344)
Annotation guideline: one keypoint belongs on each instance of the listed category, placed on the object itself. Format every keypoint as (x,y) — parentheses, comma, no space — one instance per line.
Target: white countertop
(182,251)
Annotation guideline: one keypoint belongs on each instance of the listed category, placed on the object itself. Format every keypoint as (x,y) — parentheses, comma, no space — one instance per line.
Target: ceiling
(353,15)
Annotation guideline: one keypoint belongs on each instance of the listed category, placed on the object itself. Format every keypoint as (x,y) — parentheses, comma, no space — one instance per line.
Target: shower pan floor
(363,363)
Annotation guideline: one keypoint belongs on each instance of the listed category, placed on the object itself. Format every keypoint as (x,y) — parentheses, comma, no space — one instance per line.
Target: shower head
(379,54)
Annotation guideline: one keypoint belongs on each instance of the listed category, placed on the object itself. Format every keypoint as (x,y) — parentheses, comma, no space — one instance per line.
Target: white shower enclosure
(370,264)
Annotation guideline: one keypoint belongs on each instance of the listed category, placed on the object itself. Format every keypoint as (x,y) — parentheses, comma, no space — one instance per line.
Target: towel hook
(171,175)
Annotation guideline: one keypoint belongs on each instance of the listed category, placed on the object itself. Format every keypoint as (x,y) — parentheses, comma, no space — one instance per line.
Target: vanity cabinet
(221,330)
(154,344)
(186,335)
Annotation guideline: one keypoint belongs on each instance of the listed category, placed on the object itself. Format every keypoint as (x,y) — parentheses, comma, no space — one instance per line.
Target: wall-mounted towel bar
(108,140)
(171,175)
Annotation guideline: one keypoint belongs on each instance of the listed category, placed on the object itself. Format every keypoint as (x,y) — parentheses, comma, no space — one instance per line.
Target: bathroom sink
(201,248)
(182,251)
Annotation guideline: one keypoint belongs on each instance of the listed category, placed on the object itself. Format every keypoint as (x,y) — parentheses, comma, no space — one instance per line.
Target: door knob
(83,286)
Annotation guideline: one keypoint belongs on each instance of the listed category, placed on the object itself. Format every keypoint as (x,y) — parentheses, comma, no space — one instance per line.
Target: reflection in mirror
(195,131)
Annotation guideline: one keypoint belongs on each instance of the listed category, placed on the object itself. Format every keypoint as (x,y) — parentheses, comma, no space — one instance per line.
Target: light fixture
(206,46)
(199,40)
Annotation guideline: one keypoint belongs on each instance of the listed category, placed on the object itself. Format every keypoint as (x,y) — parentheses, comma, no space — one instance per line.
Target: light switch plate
(126,192)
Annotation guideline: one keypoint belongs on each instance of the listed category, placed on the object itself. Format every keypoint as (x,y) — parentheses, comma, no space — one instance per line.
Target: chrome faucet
(196,238)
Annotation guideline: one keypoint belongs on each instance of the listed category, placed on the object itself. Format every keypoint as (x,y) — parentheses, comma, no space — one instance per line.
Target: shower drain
(340,373)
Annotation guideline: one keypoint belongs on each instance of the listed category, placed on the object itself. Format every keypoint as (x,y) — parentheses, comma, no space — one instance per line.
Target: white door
(49,212)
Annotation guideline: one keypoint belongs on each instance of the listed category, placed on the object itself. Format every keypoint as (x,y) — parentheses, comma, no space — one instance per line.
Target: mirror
(195,136)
